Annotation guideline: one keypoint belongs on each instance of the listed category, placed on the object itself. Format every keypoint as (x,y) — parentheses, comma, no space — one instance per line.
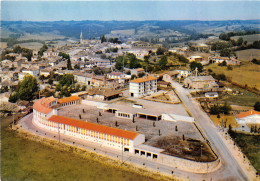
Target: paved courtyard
(149,128)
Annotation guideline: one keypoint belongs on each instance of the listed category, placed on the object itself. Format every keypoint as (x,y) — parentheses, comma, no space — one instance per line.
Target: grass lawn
(23,159)
(245,74)
(250,145)
(230,120)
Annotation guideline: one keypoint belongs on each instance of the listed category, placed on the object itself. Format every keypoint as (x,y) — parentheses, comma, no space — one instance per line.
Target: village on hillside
(136,97)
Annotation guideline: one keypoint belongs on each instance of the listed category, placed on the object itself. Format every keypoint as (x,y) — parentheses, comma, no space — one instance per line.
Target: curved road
(231,170)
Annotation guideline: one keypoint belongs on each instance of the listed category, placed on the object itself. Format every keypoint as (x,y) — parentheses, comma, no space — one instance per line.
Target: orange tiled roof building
(45,115)
(249,117)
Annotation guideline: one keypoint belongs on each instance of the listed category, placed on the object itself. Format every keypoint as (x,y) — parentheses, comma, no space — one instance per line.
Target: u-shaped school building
(45,115)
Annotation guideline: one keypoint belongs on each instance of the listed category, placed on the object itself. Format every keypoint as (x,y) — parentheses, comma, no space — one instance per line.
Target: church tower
(81,38)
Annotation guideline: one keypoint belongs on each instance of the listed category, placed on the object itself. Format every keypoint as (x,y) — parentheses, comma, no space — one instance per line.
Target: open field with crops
(248,55)
(245,75)
(249,38)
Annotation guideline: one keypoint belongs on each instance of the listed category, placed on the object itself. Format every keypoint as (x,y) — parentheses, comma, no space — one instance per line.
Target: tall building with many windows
(143,86)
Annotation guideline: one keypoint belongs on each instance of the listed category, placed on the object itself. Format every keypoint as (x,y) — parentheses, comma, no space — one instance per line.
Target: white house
(229,61)
(195,58)
(143,86)
(33,71)
(249,117)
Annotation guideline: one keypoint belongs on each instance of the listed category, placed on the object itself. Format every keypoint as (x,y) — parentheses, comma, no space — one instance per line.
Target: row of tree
(217,109)
(112,40)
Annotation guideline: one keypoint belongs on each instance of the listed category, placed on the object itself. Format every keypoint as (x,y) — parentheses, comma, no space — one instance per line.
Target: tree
(103,38)
(133,76)
(69,67)
(193,66)
(27,88)
(77,88)
(129,60)
(43,49)
(161,51)
(257,106)
(13,97)
(76,67)
(42,77)
(163,62)
(83,88)
(240,41)
(225,52)
(141,74)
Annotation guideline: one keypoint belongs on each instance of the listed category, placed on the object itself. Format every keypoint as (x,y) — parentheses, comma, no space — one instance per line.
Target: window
(136,151)
(142,153)
(126,149)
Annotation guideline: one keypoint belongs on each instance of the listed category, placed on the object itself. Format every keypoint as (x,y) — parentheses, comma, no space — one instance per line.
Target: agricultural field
(247,74)
(23,159)
(248,55)
(41,36)
(249,38)
(31,45)
(3,45)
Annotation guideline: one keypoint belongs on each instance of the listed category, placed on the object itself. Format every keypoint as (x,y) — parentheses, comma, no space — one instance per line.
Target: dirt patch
(185,148)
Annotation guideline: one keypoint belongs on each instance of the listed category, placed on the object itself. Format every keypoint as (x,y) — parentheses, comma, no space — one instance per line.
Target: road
(231,166)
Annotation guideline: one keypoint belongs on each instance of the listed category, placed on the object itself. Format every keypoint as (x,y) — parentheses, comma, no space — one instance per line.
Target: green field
(250,146)
(23,159)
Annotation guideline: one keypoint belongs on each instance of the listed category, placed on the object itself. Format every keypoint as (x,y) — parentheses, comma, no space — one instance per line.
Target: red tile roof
(248,113)
(94,127)
(143,79)
(43,105)
(116,73)
(68,99)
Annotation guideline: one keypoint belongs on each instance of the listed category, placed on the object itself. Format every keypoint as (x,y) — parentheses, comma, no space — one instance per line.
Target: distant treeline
(227,36)
(93,28)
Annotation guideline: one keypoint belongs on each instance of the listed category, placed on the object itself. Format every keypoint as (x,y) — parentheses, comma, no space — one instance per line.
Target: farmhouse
(195,58)
(249,117)
(229,61)
(202,83)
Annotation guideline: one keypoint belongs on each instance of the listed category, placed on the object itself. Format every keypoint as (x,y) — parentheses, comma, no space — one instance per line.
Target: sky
(128,10)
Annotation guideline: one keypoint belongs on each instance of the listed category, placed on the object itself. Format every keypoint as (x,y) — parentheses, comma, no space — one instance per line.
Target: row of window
(69,103)
(85,132)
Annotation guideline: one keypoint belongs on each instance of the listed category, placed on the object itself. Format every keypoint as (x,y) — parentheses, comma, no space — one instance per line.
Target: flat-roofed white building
(143,86)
